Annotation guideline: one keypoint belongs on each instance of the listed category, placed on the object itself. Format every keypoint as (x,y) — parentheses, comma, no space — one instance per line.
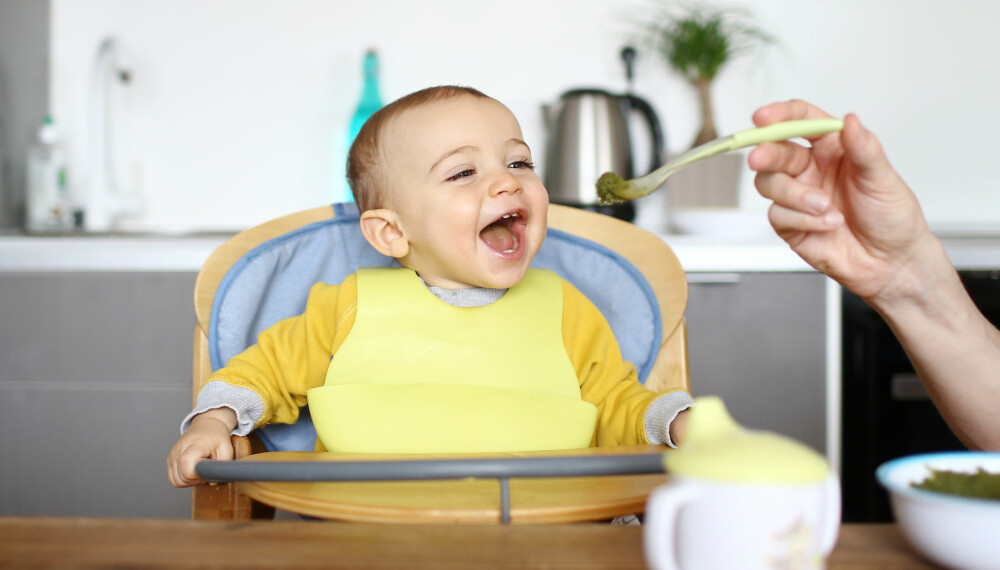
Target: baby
(446,185)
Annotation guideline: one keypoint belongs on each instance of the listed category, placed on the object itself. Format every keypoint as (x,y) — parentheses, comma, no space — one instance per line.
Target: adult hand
(843,208)
(839,204)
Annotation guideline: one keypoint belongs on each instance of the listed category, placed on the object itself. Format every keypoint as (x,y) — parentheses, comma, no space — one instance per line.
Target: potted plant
(698,41)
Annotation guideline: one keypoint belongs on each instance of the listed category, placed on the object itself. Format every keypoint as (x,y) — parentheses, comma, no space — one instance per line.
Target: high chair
(264,274)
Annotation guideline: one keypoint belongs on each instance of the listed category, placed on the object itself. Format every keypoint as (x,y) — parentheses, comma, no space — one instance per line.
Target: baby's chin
(494,281)
(489,273)
(505,279)
(489,276)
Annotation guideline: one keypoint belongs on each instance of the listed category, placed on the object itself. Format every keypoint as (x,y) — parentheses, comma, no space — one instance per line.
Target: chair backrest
(264,274)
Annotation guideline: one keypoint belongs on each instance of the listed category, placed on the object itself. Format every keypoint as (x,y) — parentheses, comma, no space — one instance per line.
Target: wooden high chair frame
(647,252)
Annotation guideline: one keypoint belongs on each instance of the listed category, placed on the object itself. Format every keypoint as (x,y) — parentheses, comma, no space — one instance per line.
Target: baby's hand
(678,428)
(208,437)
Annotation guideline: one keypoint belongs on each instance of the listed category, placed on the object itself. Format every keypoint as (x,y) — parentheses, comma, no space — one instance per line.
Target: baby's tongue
(498,237)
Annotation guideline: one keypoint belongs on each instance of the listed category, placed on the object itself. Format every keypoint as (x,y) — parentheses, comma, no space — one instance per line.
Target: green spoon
(612,188)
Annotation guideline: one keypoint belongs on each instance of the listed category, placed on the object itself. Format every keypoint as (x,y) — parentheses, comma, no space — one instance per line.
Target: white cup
(693,523)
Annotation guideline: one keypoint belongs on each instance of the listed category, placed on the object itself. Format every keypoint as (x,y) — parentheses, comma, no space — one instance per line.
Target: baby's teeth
(509,250)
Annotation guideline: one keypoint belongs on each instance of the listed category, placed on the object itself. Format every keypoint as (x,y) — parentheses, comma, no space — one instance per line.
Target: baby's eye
(462,174)
(522,164)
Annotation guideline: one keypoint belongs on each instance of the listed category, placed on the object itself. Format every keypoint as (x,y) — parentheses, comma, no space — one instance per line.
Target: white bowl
(958,532)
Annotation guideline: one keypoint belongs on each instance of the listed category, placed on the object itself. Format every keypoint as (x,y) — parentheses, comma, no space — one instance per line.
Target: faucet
(105,204)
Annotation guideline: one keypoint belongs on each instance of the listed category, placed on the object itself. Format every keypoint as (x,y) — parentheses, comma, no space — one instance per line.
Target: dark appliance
(886,413)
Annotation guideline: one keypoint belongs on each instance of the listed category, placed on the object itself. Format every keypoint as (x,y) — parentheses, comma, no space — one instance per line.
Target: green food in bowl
(981,484)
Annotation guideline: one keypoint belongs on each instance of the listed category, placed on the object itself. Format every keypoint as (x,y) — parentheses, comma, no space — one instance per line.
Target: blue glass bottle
(370,102)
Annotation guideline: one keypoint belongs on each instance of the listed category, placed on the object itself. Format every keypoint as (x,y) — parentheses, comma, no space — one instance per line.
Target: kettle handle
(655,129)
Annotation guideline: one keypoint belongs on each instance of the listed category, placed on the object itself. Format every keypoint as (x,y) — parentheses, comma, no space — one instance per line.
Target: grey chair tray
(426,469)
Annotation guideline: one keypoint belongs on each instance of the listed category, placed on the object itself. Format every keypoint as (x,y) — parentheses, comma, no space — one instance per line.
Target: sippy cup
(739,498)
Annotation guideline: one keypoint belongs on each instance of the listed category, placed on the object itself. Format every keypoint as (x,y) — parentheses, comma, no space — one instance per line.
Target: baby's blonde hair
(366,159)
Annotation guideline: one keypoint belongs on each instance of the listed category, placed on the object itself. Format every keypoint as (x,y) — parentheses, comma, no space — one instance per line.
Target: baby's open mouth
(504,235)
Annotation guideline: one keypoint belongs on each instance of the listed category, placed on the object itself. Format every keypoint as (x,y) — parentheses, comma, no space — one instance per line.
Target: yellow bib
(416,374)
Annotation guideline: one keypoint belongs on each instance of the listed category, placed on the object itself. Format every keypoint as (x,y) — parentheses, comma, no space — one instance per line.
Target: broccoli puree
(981,484)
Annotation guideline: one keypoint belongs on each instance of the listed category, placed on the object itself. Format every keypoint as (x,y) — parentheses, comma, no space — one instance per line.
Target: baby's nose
(505,183)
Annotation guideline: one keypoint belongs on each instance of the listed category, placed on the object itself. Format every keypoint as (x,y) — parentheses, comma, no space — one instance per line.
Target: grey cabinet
(95,376)
(758,340)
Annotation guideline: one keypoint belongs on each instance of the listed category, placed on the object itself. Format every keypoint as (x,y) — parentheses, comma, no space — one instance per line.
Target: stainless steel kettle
(588,136)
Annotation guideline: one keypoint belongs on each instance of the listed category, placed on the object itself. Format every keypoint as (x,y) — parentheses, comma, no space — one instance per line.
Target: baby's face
(462,182)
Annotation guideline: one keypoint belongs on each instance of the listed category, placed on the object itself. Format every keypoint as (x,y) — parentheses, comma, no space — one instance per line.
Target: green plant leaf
(699,40)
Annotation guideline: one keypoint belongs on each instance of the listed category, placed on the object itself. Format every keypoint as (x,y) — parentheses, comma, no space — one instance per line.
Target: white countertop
(119,253)
(125,253)
(187,254)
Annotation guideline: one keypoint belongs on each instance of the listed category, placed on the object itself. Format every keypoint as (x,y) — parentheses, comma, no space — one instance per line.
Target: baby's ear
(382,229)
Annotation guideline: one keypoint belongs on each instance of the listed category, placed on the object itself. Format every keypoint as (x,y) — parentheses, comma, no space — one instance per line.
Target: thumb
(223,451)
(865,151)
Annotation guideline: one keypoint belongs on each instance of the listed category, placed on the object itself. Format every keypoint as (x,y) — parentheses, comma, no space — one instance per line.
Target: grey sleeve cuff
(661,413)
(247,404)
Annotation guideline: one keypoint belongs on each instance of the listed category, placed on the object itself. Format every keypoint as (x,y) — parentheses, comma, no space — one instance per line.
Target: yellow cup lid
(718,448)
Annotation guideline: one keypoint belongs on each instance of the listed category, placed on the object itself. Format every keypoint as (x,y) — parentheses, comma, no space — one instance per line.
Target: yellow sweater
(294,354)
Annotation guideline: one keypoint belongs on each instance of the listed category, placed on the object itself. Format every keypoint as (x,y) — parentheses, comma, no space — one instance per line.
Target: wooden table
(141,543)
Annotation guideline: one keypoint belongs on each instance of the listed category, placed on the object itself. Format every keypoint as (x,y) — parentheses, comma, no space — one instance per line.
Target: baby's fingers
(173,467)
(185,467)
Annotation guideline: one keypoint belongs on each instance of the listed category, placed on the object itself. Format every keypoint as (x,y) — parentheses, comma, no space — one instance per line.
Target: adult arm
(842,207)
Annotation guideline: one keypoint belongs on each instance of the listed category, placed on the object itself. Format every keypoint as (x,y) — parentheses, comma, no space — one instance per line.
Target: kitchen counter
(106,253)
(186,253)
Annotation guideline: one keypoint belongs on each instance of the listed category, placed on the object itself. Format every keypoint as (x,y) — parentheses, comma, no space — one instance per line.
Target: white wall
(922,74)
(238,108)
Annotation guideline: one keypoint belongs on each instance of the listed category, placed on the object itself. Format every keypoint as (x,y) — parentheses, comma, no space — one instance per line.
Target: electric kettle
(588,136)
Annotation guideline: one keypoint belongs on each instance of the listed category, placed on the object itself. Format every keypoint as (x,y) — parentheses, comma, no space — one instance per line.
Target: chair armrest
(241,447)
